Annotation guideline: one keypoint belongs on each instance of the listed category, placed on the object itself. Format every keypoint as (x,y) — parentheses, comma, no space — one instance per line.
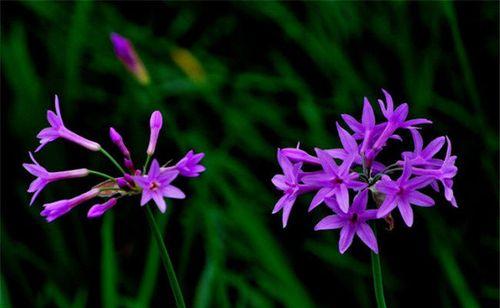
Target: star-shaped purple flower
(156,185)
(354,222)
(402,193)
(334,181)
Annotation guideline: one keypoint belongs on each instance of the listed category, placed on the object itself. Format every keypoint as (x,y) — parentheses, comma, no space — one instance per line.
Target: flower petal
(420,199)
(342,196)
(366,234)
(173,192)
(319,197)
(406,211)
(330,222)
(346,237)
(387,206)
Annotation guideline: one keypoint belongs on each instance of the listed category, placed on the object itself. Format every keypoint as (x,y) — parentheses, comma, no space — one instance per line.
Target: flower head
(125,52)
(58,130)
(44,177)
(156,185)
(354,222)
(155,123)
(56,209)
(189,165)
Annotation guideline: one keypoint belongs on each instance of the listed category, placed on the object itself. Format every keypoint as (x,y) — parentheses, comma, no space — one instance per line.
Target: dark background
(266,75)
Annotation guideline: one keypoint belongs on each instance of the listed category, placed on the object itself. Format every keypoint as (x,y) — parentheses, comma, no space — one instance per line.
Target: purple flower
(45,177)
(117,139)
(56,209)
(189,165)
(125,52)
(402,193)
(288,182)
(58,130)
(156,185)
(353,222)
(334,181)
(155,123)
(423,156)
(395,119)
(99,209)
(445,173)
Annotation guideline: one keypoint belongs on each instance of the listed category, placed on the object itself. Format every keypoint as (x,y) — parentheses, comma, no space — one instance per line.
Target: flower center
(354,218)
(154,185)
(337,181)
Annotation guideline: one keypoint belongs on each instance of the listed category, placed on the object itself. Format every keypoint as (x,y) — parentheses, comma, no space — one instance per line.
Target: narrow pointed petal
(160,202)
(366,234)
(346,237)
(330,222)
(327,162)
(433,147)
(342,196)
(420,199)
(368,117)
(319,197)
(387,206)
(359,202)
(173,192)
(406,212)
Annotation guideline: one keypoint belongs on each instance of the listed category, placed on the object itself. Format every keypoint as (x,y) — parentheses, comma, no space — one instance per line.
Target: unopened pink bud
(155,124)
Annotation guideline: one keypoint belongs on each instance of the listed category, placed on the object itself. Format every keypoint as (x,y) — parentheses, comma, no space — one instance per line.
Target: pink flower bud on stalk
(117,139)
(56,209)
(125,52)
(99,209)
(155,124)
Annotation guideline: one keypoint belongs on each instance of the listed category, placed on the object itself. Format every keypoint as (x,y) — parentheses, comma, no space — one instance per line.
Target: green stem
(146,164)
(377,281)
(169,268)
(112,160)
(104,175)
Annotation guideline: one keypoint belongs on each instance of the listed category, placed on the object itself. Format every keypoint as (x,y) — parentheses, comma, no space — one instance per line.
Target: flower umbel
(333,173)
(156,184)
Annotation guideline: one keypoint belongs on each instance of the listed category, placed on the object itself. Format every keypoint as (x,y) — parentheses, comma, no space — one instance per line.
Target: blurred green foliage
(236,81)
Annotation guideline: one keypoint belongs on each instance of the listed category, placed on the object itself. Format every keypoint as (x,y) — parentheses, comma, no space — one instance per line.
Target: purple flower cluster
(341,178)
(156,184)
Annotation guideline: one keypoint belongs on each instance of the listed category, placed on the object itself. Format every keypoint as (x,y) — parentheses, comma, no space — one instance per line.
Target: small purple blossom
(99,209)
(402,193)
(445,173)
(155,123)
(156,185)
(44,177)
(189,165)
(354,222)
(58,130)
(56,209)
(334,181)
(125,52)
(288,182)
